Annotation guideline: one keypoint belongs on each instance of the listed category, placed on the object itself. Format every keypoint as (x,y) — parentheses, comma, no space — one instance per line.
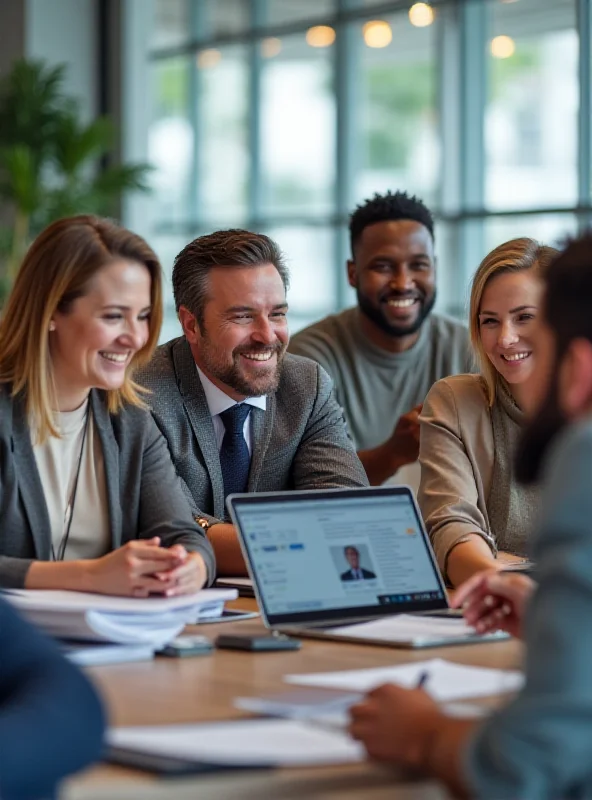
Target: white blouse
(57,462)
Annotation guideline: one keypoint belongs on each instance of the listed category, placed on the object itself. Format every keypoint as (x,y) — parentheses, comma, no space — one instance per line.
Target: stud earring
(52,326)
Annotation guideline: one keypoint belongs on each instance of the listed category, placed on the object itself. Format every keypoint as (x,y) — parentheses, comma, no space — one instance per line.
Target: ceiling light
(421,15)
(208,58)
(377,33)
(320,36)
(503,47)
(271,46)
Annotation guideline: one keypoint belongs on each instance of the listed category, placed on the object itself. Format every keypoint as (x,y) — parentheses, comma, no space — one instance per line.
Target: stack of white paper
(150,621)
(257,742)
(445,681)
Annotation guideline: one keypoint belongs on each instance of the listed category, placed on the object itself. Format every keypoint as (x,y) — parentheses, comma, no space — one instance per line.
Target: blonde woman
(471,503)
(89,498)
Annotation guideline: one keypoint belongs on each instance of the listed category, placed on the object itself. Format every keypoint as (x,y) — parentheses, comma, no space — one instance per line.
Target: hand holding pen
(395,724)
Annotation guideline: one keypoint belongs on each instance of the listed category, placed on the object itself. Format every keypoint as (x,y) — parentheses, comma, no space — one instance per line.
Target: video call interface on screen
(338,553)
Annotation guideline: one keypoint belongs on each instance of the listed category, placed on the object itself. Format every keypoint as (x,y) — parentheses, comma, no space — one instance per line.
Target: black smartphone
(187,646)
(259,643)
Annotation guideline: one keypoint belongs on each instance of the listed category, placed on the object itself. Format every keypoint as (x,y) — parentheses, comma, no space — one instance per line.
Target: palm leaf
(19,177)
(30,103)
(76,144)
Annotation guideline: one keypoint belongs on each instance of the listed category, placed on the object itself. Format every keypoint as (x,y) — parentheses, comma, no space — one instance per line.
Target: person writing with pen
(89,497)
(539,744)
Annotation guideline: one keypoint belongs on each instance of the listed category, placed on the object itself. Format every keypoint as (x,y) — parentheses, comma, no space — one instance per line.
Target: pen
(422,680)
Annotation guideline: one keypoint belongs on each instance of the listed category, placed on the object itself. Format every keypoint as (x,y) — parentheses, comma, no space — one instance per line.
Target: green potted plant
(51,163)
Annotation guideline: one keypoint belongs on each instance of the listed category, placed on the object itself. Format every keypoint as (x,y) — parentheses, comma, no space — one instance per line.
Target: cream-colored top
(57,462)
(457,455)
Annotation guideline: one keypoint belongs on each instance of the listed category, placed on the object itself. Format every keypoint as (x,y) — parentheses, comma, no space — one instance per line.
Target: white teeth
(515,356)
(117,358)
(401,303)
(258,356)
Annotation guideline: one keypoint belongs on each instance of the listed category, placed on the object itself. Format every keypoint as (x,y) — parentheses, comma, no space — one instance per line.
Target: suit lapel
(111,460)
(29,484)
(261,428)
(196,406)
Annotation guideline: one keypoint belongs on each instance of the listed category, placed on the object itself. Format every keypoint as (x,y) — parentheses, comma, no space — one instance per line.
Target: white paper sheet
(407,628)
(97,654)
(300,703)
(446,681)
(68,601)
(274,742)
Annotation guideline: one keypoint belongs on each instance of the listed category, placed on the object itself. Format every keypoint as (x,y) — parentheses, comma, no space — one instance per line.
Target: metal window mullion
(448,197)
(258,11)
(198,24)
(347,70)
(584,22)
(474,29)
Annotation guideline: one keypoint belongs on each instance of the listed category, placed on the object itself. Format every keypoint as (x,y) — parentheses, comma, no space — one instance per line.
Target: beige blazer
(456,454)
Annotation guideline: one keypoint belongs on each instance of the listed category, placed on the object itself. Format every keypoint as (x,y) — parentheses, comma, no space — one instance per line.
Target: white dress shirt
(218,401)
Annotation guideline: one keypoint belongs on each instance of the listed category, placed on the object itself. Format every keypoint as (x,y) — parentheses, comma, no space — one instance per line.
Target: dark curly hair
(386,207)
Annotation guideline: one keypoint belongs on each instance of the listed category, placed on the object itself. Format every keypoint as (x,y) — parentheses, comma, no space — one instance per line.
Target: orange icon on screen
(410,531)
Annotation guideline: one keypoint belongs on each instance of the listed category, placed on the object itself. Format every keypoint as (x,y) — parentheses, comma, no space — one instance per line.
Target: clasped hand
(143,567)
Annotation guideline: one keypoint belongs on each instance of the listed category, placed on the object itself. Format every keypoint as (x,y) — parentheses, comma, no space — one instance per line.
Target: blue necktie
(235,459)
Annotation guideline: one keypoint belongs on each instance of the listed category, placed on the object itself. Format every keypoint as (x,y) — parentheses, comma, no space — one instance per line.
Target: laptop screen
(328,555)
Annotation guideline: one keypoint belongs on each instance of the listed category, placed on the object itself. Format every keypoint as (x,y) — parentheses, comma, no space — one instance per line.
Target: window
(171,138)
(281,116)
(222,119)
(297,128)
(395,99)
(532,110)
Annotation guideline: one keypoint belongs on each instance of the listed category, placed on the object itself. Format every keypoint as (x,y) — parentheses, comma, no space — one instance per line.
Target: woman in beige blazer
(471,503)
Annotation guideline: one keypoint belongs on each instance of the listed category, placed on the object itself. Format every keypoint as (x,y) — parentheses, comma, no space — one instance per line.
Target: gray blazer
(299,442)
(145,496)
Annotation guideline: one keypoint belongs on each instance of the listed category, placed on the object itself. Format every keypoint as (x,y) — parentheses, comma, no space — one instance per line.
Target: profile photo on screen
(356,571)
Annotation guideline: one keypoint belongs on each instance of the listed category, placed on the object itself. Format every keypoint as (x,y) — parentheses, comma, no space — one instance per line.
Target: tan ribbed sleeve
(455,467)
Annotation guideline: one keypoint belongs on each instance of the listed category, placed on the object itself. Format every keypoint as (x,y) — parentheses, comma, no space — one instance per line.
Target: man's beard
(377,315)
(215,363)
(538,436)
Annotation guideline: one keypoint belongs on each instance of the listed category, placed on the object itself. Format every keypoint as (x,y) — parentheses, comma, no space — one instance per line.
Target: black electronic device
(184,646)
(257,643)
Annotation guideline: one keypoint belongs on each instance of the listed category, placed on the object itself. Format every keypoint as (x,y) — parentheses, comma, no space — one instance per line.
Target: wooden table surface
(202,688)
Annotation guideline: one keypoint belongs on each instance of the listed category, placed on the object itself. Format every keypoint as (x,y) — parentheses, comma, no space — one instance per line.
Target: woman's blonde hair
(517,255)
(55,272)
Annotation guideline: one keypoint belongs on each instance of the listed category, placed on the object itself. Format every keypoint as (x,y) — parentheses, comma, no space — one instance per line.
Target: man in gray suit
(238,412)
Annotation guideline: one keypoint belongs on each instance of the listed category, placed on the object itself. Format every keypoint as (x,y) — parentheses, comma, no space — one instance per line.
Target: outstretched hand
(495,600)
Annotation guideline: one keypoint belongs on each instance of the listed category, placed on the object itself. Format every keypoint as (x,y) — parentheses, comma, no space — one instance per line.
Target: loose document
(445,682)
(242,743)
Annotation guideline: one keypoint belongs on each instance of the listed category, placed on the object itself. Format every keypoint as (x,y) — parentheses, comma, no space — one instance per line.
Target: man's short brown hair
(230,248)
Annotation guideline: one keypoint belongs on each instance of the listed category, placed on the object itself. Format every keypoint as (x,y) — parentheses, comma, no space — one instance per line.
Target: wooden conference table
(202,688)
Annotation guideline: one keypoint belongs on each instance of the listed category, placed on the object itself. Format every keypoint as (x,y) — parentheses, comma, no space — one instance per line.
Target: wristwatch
(203,523)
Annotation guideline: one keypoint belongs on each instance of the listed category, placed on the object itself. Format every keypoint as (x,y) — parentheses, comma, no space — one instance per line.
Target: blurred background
(281,115)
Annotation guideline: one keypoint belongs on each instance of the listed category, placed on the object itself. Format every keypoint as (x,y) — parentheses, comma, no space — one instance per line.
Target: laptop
(324,562)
